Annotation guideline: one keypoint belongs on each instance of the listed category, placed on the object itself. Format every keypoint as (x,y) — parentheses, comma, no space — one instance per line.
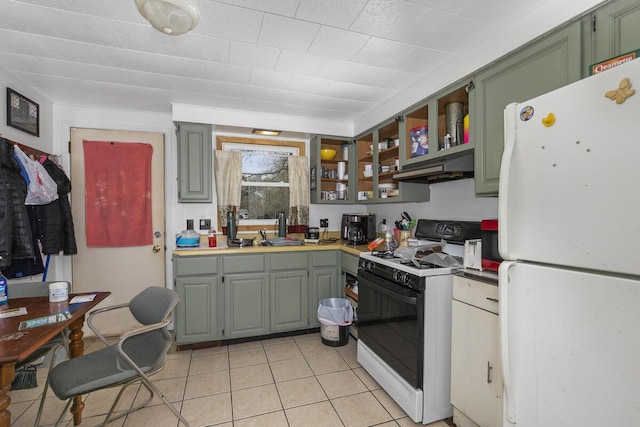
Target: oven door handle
(382,288)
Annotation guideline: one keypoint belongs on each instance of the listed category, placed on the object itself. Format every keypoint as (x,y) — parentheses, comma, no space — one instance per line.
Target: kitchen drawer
(289,261)
(478,294)
(194,266)
(350,263)
(244,264)
(325,258)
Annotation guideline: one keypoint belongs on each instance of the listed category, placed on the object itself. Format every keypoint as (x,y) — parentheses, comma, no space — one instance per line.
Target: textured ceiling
(323,59)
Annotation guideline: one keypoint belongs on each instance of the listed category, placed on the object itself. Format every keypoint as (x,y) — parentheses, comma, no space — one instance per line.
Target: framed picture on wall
(22,113)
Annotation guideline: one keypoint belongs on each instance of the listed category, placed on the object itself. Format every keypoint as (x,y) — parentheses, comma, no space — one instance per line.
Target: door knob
(156,249)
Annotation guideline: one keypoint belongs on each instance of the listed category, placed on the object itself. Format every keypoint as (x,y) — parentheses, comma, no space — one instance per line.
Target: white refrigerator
(569,231)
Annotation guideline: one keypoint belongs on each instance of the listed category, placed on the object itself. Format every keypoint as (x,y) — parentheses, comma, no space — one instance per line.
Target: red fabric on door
(117,193)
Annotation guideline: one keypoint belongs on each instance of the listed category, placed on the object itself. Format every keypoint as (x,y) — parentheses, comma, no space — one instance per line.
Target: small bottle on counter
(213,242)
(382,228)
(389,242)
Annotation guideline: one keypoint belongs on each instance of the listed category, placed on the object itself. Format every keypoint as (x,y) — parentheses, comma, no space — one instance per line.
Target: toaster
(473,254)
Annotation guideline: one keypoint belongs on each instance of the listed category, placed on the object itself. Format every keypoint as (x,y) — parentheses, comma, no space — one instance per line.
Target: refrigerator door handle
(510,114)
(509,393)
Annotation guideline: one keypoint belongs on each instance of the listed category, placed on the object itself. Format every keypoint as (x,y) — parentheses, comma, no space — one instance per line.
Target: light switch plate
(205,224)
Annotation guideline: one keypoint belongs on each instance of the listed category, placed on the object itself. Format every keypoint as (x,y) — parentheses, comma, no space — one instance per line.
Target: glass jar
(213,242)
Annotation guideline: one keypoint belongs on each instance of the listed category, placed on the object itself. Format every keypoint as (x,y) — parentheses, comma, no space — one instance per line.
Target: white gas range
(404,322)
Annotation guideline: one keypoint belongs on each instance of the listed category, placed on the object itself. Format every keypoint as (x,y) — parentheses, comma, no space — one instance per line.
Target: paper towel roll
(342,167)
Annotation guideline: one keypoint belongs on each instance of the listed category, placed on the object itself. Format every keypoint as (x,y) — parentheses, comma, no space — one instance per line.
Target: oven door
(390,323)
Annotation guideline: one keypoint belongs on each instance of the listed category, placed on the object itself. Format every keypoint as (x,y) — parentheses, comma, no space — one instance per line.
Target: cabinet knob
(156,249)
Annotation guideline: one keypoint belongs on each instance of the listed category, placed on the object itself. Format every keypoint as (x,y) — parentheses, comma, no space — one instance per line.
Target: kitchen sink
(241,243)
(281,241)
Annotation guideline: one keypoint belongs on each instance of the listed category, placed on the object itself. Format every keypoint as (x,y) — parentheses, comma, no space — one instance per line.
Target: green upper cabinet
(548,64)
(617,30)
(331,178)
(195,176)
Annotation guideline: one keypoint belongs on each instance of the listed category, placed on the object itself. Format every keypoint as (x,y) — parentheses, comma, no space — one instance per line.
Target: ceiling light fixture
(172,17)
(266,132)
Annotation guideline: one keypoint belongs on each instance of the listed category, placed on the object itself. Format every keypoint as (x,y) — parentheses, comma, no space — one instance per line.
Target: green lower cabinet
(289,297)
(324,281)
(240,296)
(350,263)
(246,298)
(197,316)
(324,284)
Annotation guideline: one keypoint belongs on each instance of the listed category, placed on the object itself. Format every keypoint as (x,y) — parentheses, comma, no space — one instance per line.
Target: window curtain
(298,193)
(228,170)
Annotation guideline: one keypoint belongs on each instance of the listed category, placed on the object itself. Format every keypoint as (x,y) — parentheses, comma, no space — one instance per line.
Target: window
(265,177)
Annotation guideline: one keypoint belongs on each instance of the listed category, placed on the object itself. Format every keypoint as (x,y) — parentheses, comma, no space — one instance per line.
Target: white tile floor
(291,381)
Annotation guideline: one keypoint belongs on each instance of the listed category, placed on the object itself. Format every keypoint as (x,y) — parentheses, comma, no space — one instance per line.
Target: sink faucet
(263,233)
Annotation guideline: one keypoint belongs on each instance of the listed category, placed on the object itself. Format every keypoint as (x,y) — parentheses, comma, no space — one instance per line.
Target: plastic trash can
(335,315)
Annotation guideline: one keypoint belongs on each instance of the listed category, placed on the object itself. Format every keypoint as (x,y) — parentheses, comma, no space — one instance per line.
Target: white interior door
(124,271)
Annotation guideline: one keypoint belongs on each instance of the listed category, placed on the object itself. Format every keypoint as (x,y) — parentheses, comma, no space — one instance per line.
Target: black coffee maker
(358,229)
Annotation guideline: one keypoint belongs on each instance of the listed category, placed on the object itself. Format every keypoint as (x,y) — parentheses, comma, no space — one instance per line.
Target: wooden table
(16,345)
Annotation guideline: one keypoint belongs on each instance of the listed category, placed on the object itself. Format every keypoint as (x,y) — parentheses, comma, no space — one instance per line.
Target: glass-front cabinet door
(437,127)
(365,167)
(416,135)
(378,156)
(387,159)
(330,171)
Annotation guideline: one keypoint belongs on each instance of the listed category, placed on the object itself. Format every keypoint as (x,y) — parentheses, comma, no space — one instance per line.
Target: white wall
(451,200)
(44,142)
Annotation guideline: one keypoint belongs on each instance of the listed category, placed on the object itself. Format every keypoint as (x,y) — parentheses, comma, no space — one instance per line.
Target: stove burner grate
(383,254)
(422,264)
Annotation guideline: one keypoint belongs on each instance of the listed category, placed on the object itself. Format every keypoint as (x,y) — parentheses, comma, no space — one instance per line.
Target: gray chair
(137,355)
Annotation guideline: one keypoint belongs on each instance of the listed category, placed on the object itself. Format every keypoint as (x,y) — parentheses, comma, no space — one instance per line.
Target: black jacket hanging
(26,267)
(15,231)
(54,220)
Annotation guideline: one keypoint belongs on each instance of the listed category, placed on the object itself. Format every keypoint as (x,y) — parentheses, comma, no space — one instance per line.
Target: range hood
(444,168)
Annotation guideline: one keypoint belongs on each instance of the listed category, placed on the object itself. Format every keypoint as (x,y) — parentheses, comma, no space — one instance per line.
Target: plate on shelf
(388,185)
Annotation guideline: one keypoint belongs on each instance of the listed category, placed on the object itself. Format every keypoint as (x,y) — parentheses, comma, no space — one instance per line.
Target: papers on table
(82,298)
(46,320)
(13,312)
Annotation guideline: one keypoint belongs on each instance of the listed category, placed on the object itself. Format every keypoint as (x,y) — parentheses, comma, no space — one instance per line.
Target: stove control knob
(406,277)
(396,275)
(370,265)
